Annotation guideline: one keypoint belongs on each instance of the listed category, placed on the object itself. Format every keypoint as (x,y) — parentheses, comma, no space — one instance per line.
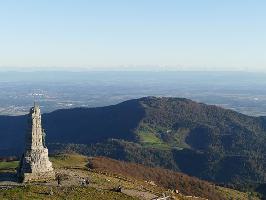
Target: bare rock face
(35,164)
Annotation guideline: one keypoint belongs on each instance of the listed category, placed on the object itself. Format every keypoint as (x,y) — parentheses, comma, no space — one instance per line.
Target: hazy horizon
(127,69)
(240,91)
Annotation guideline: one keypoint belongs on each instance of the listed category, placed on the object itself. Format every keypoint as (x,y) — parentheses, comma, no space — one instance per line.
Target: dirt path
(139,194)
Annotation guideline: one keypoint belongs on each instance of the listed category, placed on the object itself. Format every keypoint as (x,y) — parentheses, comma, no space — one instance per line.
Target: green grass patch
(33,192)
(151,140)
(69,161)
(231,194)
(162,138)
(59,161)
(9,165)
(179,138)
(148,138)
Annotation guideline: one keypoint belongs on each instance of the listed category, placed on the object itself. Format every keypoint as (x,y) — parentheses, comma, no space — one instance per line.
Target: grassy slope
(101,179)
(167,179)
(104,181)
(8,165)
(33,192)
(41,192)
(152,137)
(234,194)
(69,161)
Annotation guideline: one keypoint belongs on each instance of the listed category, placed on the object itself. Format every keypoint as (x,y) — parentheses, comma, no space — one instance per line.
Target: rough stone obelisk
(34,163)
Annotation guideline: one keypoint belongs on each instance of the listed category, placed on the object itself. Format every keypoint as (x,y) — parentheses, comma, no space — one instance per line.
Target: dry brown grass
(162,177)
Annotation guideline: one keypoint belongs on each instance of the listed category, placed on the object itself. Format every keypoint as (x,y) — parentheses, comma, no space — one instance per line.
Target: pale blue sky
(135,34)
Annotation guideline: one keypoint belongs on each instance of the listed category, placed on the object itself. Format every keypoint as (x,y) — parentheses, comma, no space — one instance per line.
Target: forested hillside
(201,140)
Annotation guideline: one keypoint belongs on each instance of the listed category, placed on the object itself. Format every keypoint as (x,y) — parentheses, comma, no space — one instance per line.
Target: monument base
(37,177)
(35,166)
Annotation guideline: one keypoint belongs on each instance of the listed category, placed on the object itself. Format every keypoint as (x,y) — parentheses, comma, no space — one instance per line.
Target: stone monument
(34,164)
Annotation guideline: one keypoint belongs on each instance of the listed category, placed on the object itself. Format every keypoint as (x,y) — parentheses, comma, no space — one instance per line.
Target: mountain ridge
(201,140)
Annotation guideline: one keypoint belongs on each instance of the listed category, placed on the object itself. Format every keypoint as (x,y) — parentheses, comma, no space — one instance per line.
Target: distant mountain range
(201,140)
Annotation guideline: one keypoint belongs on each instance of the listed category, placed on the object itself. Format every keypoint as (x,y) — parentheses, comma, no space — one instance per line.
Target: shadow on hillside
(77,125)
(92,125)
(8,176)
(13,129)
